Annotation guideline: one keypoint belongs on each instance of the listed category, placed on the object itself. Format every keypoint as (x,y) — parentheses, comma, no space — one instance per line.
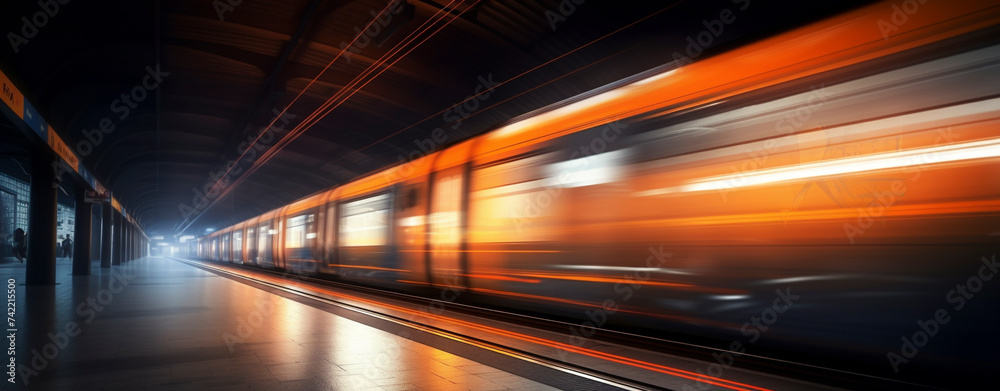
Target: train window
(238,246)
(225,247)
(331,221)
(252,245)
(587,171)
(299,229)
(365,222)
(446,214)
(264,241)
(521,171)
(505,199)
(445,234)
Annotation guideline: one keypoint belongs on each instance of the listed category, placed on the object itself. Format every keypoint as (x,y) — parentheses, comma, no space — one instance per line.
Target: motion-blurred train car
(829,191)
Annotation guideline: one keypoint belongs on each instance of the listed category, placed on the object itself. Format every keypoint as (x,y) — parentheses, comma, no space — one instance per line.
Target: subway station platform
(500,195)
(158,323)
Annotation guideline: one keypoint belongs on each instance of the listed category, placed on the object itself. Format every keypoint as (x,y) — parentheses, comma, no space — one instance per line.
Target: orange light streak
(367,267)
(580,303)
(601,279)
(502,278)
(481,251)
(414,282)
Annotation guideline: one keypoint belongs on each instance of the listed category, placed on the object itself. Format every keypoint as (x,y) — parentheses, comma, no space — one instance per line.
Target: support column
(82,236)
(135,246)
(41,230)
(131,242)
(95,232)
(106,232)
(135,241)
(127,241)
(116,247)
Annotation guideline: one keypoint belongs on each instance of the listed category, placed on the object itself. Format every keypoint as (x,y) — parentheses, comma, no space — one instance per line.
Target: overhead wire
(490,89)
(183,225)
(351,88)
(308,122)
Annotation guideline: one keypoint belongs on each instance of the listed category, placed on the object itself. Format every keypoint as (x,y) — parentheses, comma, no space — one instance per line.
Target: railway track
(387,310)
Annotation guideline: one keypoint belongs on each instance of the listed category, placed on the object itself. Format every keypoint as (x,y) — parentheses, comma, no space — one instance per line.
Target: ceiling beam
(264,94)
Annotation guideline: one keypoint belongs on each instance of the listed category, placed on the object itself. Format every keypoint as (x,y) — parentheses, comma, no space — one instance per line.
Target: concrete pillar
(127,242)
(135,241)
(41,230)
(116,246)
(131,242)
(95,232)
(106,233)
(82,236)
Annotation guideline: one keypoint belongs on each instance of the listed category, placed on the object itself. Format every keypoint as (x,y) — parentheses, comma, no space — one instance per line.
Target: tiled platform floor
(157,324)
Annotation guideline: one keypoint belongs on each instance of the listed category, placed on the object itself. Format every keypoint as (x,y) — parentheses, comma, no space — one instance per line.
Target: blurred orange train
(850,167)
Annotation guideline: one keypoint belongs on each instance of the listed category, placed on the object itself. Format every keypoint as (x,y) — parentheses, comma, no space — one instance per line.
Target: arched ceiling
(228,66)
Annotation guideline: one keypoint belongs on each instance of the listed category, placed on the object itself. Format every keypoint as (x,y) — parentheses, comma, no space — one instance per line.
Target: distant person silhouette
(67,247)
(20,245)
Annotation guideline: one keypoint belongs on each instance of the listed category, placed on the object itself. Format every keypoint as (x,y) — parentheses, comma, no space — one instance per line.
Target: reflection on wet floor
(160,324)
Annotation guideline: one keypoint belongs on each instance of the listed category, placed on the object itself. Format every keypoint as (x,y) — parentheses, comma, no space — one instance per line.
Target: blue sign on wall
(35,121)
